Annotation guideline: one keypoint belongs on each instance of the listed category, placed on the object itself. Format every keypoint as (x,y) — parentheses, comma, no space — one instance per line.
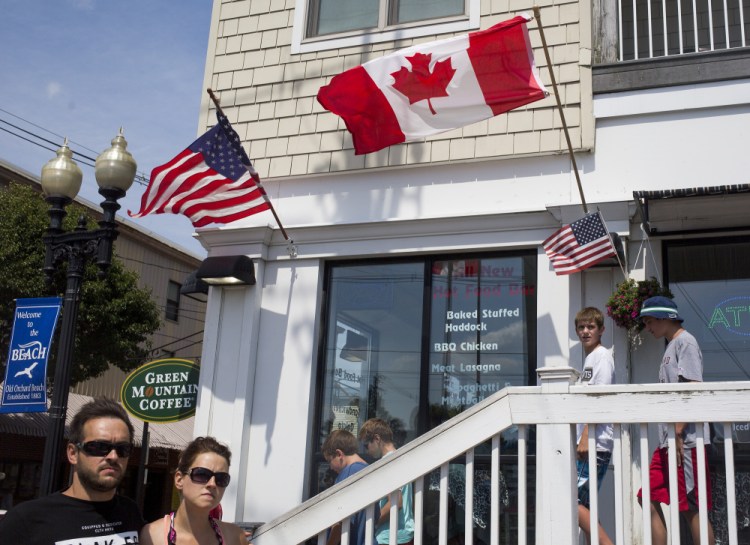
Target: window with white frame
(337,16)
(324,24)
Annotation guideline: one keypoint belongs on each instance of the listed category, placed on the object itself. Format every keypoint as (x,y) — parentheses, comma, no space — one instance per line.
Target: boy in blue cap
(682,362)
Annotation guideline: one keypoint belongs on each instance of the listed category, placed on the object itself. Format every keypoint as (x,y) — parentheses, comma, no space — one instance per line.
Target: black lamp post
(61,180)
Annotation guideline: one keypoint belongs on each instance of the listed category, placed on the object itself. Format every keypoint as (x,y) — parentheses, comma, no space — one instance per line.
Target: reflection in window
(710,279)
(343,15)
(417,341)
(381,359)
(479,339)
(419,10)
(337,16)
(372,357)
(711,284)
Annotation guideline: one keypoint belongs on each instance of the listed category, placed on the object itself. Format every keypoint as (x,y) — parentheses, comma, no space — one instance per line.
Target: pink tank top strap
(171,534)
(217,530)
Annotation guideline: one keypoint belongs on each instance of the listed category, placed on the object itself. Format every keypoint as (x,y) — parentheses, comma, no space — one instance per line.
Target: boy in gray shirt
(682,362)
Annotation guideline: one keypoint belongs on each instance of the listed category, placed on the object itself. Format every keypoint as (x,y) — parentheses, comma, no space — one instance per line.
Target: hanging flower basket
(624,305)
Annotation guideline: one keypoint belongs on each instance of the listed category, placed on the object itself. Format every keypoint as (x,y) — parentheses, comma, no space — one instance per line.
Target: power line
(140,177)
(151,354)
(23,138)
(190,345)
(181,339)
(81,157)
(44,129)
(197,320)
(186,311)
(45,139)
(179,270)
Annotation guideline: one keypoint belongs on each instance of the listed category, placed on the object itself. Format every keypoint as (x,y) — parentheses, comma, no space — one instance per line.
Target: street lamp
(61,180)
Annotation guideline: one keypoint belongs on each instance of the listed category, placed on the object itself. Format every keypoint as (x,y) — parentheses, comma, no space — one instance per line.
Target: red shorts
(659,480)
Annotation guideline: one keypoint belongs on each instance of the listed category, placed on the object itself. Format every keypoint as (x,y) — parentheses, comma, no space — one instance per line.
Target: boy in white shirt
(598,368)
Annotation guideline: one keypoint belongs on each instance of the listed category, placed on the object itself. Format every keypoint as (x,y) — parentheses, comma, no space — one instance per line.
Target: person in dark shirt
(88,511)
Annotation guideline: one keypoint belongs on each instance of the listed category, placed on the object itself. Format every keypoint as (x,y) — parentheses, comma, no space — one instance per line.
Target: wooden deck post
(556,504)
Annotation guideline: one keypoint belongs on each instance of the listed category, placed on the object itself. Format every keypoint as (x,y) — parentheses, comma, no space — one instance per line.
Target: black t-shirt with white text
(61,520)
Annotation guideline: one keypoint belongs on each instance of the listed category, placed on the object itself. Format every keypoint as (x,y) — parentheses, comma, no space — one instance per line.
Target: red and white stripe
(568,257)
(187,185)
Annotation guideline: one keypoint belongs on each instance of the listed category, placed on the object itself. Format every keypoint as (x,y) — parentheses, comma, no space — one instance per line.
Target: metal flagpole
(538,17)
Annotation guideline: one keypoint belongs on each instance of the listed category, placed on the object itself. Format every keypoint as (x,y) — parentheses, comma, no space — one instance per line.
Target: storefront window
(373,345)
(478,331)
(710,279)
(417,341)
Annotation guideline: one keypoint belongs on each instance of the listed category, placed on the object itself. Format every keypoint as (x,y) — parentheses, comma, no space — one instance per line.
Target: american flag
(580,245)
(212,181)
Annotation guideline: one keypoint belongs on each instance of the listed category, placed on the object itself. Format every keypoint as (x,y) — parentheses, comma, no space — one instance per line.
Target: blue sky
(83,68)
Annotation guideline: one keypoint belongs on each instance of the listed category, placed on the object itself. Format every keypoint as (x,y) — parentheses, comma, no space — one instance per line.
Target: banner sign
(25,389)
(162,390)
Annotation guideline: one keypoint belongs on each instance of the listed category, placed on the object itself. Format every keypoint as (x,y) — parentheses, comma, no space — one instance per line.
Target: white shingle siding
(272,92)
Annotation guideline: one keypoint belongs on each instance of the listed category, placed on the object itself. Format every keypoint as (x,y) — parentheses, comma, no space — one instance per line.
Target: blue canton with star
(588,229)
(222,150)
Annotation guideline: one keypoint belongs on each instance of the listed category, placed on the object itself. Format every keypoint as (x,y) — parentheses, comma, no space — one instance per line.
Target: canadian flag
(435,87)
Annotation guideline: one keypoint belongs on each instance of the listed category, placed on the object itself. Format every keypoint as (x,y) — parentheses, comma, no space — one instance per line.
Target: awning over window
(694,210)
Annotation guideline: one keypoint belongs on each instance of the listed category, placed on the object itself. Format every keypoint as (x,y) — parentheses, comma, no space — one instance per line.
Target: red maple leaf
(419,83)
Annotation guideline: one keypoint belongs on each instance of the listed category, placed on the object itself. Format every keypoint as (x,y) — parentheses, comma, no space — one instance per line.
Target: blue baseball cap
(660,307)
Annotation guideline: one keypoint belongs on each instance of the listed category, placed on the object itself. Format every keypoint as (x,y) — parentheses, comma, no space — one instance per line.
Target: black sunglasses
(201,475)
(102,448)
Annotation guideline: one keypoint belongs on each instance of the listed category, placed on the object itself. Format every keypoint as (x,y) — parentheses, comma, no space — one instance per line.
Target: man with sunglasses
(89,511)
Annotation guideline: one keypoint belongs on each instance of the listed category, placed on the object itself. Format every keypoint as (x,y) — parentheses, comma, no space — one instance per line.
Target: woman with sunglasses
(201,478)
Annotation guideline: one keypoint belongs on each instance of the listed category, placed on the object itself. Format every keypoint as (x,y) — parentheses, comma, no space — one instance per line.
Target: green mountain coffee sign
(162,390)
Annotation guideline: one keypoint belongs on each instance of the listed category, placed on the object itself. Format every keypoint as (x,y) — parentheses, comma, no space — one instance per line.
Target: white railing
(631,407)
(658,28)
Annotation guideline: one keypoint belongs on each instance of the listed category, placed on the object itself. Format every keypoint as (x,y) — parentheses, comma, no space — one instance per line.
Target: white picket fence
(631,407)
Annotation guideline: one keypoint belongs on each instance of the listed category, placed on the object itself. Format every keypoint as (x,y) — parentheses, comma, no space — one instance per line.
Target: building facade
(419,285)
